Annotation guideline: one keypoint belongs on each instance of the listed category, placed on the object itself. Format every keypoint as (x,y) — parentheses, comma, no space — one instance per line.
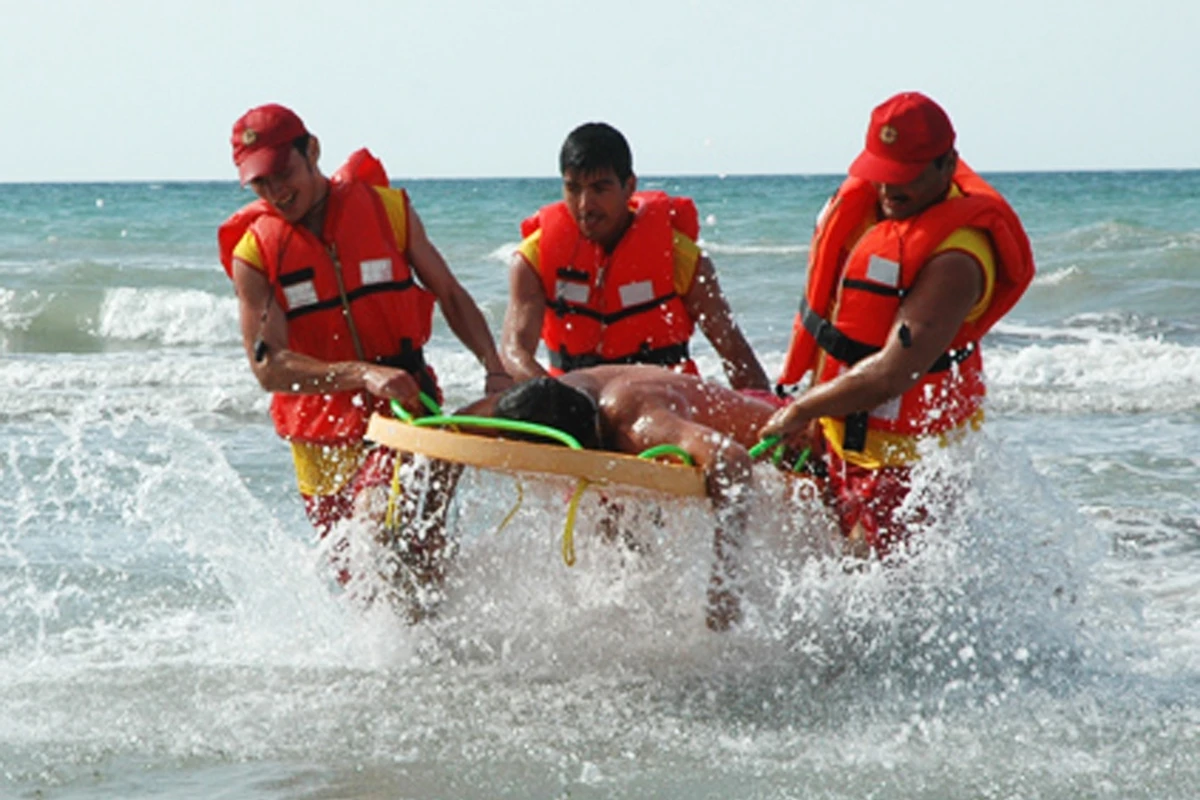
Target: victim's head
(550,402)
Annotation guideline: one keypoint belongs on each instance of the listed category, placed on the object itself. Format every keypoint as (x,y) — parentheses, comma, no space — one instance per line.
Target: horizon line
(647,176)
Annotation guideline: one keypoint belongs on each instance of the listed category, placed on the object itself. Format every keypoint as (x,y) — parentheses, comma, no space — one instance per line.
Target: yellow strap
(394,495)
(568,544)
(508,517)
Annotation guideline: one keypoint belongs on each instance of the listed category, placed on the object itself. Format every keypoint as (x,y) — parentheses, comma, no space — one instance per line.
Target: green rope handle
(668,450)
(777,453)
(448,420)
(402,413)
(545,431)
(430,404)
(763,446)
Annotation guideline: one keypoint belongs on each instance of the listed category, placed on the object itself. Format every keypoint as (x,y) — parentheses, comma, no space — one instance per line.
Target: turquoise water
(168,627)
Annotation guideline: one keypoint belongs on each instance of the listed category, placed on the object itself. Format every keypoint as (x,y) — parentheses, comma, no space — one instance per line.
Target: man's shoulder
(390,195)
(395,206)
(686,256)
(529,247)
(684,245)
(973,241)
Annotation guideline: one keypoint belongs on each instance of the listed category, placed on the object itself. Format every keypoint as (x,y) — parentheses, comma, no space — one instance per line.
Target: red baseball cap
(907,132)
(262,138)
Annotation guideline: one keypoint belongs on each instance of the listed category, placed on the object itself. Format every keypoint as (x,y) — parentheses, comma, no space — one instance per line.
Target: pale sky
(149,89)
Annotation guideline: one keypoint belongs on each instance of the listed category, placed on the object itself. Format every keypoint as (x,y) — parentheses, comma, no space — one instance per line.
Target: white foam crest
(1112,235)
(164,383)
(1028,331)
(503,253)
(1101,373)
(18,312)
(720,248)
(1057,277)
(1104,327)
(168,316)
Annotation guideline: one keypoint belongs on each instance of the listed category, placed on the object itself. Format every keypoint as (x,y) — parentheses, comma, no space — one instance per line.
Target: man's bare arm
(933,311)
(280,369)
(457,305)
(706,304)
(523,320)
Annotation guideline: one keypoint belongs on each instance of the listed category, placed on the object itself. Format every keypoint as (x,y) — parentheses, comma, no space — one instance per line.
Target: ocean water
(169,627)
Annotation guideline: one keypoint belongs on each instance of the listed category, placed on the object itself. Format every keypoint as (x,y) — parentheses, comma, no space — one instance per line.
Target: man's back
(635,400)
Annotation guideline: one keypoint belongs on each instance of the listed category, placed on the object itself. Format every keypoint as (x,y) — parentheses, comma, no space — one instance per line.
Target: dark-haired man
(336,282)
(631,408)
(913,260)
(610,275)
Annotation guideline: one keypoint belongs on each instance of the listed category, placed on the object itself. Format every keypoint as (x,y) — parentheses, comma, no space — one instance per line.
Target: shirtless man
(630,408)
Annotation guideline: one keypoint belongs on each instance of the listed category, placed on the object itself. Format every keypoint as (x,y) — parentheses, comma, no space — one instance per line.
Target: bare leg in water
(728,478)
(417,548)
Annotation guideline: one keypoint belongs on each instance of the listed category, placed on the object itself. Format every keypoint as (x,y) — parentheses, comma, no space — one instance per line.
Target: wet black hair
(595,146)
(546,401)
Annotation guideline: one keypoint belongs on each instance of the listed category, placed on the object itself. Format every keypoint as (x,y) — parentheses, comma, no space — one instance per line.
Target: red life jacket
(392,314)
(619,307)
(852,298)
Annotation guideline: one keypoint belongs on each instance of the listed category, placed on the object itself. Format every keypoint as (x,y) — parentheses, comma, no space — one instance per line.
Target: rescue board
(507,455)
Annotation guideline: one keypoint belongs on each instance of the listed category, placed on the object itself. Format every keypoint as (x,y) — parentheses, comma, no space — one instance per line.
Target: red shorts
(867,502)
(421,548)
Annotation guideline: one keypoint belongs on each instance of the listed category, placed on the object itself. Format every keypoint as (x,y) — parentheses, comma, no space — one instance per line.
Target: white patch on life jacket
(889,411)
(633,294)
(300,294)
(883,271)
(572,292)
(376,270)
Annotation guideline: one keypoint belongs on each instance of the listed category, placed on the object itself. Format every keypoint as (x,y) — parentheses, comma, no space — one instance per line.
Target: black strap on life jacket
(561,307)
(412,360)
(667,356)
(851,351)
(307,273)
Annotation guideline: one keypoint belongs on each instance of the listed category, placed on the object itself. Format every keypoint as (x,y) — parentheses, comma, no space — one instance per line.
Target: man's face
(292,190)
(902,201)
(599,203)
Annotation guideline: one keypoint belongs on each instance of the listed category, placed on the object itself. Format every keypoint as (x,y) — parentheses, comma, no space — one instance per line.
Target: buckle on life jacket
(854,431)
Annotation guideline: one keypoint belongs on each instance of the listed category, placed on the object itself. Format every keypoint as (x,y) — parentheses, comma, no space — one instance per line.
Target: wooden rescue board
(597,466)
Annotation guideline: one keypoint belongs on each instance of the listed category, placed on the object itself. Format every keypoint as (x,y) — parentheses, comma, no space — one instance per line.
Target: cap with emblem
(906,133)
(262,138)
